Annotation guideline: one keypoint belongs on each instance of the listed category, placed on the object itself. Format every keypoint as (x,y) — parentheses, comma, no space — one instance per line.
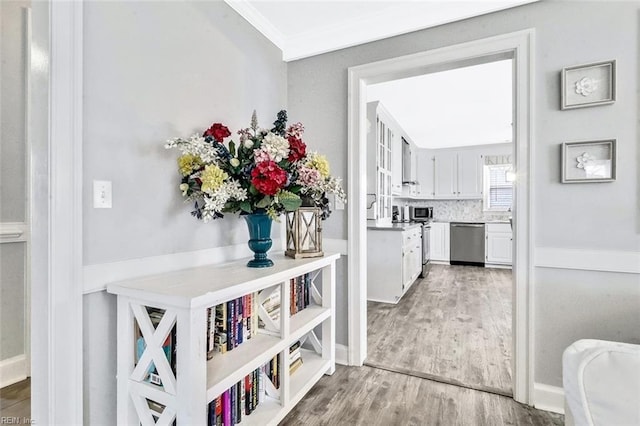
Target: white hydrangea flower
(214,202)
(195,145)
(276,146)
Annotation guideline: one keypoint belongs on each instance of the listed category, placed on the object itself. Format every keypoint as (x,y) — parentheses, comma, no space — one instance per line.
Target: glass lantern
(304,233)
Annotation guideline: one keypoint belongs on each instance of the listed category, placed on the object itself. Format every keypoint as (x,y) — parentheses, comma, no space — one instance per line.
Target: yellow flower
(212,178)
(320,163)
(188,163)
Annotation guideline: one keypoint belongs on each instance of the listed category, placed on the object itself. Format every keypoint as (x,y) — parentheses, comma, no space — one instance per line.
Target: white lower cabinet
(440,249)
(394,262)
(499,246)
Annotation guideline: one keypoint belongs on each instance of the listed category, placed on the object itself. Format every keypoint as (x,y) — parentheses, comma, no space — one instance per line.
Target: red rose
(218,132)
(297,149)
(268,177)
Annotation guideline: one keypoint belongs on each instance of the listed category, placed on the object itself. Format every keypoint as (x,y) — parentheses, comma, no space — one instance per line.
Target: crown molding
(370,26)
(258,21)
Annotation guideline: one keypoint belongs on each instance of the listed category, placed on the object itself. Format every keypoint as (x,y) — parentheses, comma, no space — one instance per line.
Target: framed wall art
(589,85)
(589,161)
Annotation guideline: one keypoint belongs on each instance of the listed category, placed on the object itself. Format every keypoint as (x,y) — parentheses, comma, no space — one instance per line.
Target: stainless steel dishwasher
(467,243)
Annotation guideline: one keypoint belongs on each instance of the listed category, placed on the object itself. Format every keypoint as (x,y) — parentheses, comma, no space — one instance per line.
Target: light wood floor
(454,325)
(369,396)
(15,401)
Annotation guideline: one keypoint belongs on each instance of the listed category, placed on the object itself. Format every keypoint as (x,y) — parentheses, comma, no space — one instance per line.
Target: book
(211,331)
(226,408)
(295,365)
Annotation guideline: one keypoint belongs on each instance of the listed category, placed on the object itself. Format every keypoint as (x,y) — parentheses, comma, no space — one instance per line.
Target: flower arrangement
(266,169)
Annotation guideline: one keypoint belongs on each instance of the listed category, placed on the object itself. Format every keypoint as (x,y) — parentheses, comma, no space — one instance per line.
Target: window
(498,192)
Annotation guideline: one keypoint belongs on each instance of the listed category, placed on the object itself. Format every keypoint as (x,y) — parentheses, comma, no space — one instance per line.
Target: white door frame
(56,227)
(519,46)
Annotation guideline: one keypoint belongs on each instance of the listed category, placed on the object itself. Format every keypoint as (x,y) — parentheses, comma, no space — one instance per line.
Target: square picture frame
(588,85)
(589,161)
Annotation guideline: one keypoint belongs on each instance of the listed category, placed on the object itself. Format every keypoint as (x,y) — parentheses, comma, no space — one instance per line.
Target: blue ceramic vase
(259,224)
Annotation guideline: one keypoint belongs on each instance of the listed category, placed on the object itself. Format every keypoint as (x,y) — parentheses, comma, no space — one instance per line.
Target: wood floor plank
(454,324)
(15,393)
(369,396)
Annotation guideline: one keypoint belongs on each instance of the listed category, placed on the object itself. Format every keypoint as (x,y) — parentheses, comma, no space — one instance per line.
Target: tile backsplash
(458,210)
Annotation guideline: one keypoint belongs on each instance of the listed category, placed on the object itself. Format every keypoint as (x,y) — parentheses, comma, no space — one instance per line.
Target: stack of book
(239,400)
(300,288)
(169,347)
(231,323)
(295,357)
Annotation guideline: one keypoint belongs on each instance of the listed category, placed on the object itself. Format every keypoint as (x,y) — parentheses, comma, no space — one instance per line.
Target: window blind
(500,193)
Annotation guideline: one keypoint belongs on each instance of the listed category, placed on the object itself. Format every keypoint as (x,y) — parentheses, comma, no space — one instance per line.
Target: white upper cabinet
(445,175)
(396,165)
(458,174)
(424,174)
(469,175)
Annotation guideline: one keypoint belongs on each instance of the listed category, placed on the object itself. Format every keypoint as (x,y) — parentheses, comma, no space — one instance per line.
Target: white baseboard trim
(588,260)
(548,398)
(496,266)
(96,277)
(440,262)
(342,354)
(13,370)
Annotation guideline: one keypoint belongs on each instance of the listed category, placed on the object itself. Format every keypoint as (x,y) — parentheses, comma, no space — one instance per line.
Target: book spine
(234,397)
(218,411)
(254,309)
(292,297)
(245,317)
(239,320)
(231,340)
(226,408)
(255,385)
(307,289)
(239,400)
(211,331)
(247,394)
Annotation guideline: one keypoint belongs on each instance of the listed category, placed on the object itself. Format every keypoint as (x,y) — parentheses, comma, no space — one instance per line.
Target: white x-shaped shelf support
(153,352)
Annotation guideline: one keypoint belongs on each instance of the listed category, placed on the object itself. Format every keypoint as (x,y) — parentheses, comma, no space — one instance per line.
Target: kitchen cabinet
(394,262)
(380,139)
(499,244)
(424,174)
(440,247)
(396,166)
(457,175)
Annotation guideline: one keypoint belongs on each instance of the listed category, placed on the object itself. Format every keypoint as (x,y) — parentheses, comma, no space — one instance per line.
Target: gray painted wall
(13,182)
(154,71)
(589,216)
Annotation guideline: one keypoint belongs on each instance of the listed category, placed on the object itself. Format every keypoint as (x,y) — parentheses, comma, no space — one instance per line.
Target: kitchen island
(394,253)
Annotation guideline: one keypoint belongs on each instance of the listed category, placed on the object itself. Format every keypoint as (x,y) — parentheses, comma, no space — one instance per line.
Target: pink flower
(261,155)
(308,177)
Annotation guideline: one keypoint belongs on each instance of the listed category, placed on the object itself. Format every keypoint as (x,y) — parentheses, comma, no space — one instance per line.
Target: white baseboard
(495,266)
(588,260)
(548,398)
(342,354)
(13,370)
(96,277)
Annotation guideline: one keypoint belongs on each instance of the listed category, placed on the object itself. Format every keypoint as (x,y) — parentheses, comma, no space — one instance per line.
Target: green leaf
(245,206)
(232,148)
(266,200)
(289,200)
(253,190)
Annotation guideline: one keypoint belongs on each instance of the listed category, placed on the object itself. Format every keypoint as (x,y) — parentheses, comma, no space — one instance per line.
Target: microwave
(421,214)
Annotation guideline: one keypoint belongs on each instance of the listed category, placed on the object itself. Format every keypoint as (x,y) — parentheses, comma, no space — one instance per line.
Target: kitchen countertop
(400,226)
(473,221)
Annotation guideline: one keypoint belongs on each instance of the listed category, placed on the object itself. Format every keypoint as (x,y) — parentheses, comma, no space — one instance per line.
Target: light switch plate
(102,194)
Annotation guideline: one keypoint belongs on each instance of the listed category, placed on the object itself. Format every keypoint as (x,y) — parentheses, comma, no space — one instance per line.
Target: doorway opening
(447,315)
(515,47)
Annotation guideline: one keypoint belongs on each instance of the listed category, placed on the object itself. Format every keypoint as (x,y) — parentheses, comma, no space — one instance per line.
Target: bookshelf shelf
(307,319)
(171,311)
(223,370)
